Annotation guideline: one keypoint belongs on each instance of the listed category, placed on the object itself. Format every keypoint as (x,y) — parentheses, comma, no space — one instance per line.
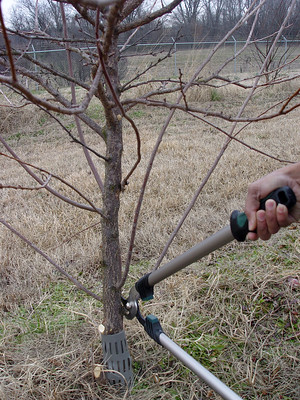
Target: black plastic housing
(239,222)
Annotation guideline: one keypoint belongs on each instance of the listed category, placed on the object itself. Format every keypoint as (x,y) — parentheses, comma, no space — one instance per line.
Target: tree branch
(283,109)
(149,18)
(7,44)
(19,187)
(44,255)
(112,18)
(78,125)
(251,11)
(209,113)
(242,108)
(27,167)
(129,7)
(70,109)
(118,103)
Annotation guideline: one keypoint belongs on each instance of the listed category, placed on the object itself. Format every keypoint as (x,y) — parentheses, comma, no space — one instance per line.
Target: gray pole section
(211,380)
(175,59)
(285,49)
(234,53)
(197,252)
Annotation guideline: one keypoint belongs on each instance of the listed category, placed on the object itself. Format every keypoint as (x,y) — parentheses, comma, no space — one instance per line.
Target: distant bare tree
(42,15)
(187,17)
(267,28)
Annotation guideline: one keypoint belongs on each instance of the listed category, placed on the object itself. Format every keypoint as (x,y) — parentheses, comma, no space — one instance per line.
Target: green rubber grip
(239,220)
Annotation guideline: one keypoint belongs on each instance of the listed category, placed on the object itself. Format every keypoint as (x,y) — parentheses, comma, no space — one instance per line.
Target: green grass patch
(95,112)
(215,95)
(20,135)
(51,314)
(137,114)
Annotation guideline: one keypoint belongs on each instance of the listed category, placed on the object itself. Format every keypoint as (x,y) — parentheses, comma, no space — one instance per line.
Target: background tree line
(193,20)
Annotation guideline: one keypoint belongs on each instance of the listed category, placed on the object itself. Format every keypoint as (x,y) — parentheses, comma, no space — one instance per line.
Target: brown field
(187,56)
(235,311)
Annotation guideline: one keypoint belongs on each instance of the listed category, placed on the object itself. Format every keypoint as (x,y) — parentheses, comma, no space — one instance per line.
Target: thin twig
(44,255)
(181,89)
(73,137)
(242,108)
(27,167)
(282,111)
(192,202)
(75,235)
(126,86)
(19,187)
(162,133)
(234,138)
(8,47)
(118,103)
(78,125)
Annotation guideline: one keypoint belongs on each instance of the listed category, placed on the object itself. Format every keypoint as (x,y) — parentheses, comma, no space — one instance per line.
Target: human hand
(269,221)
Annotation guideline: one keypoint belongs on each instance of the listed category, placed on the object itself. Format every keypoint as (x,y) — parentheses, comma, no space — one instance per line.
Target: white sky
(6,7)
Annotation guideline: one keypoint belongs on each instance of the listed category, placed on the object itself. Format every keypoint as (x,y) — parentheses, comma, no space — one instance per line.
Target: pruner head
(130,306)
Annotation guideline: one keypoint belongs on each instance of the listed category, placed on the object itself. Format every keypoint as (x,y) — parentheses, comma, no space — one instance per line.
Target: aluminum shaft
(197,252)
(211,380)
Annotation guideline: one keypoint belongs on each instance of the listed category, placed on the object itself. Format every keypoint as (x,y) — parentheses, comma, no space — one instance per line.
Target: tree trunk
(110,235)
(113,319)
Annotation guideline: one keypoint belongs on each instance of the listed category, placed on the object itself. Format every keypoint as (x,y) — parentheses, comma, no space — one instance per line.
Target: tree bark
(110,234)
(112,268)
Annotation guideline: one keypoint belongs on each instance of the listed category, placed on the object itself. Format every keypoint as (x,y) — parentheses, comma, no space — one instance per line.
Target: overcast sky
(6,7)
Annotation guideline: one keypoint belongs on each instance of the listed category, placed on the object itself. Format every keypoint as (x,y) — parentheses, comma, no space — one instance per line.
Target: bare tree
(187,17)
(101,51)
(43,15)
(213,13)
(267,28)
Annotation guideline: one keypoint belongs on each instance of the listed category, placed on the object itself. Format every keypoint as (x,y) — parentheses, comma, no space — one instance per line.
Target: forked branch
(28,167)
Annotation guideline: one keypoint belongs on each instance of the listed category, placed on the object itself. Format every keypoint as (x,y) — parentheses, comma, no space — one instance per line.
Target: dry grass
(236,311)
(186,57)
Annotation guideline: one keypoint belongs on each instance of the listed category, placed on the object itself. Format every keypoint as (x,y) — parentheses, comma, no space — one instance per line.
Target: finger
(252,221)
(282,215)
(252,236)
(271,217)
(262,227)
(252,205)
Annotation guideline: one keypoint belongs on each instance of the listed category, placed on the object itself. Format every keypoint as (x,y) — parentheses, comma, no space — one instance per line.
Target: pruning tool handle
(238,229)
(239,222)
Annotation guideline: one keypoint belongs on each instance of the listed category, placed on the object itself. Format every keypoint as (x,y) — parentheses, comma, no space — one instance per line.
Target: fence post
(285,49)
(175,59)
(35,66)
(234,39)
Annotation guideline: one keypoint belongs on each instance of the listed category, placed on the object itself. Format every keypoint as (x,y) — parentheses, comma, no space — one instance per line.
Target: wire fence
(235,58)
(168,60)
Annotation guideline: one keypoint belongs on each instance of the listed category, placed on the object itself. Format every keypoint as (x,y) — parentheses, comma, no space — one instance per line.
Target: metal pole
(234,39)
(211,380)
(285,49)
(35,66)
(197,252)
(34,57)
(175,47)
(175,57)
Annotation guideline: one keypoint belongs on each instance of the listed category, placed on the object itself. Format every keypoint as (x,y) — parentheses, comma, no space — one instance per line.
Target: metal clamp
(130,306)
